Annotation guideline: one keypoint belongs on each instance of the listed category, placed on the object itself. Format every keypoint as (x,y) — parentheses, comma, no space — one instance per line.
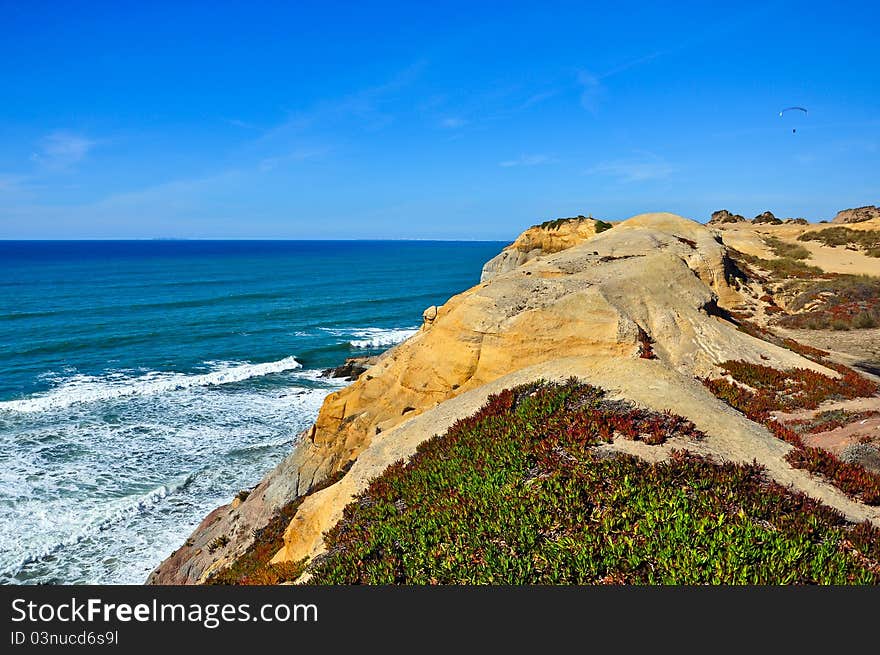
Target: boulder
(351,370)
(429,315)
(722,216)
(766,218)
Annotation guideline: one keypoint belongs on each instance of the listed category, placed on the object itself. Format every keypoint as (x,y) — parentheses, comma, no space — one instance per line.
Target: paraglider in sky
(793,130)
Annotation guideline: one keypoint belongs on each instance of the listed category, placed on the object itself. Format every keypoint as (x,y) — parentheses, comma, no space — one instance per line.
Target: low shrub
(866,240)
(798,388)
(646,349)
(842,303)
(557,223)
(784,267)
(785,249)
(853,479)
(773,390)
(516,494)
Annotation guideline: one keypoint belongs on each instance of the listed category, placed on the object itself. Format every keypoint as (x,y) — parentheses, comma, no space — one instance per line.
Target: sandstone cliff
(634,308)
(857,215)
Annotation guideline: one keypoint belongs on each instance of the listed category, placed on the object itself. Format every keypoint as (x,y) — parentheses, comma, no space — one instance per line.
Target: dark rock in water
(351,370)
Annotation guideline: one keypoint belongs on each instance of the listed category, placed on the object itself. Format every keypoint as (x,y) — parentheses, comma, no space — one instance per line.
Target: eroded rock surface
(857,215)
(656,276)
(550,237)
(722,216)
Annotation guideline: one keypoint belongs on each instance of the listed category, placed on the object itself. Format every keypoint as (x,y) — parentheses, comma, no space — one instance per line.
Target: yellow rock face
(591,303)
(549,239)
(657,274)
(538,241)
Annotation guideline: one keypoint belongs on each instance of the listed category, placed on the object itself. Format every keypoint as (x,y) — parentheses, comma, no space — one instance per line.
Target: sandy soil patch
(748,239)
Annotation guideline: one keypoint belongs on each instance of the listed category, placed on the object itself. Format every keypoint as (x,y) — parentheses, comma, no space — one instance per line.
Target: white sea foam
(132,476)
(101,519)
(89,388)
(380,337)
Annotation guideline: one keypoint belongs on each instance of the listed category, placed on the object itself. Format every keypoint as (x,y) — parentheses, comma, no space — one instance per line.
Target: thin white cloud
(592,90)
(526,160)
(170,193)
(538,98)
(366,108)
(62,149)
(176,208)
(239,123)
(639,61)
(302,154)
(453,122)
(638,169)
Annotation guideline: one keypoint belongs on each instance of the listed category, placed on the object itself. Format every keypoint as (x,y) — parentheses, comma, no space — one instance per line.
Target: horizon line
(165,239)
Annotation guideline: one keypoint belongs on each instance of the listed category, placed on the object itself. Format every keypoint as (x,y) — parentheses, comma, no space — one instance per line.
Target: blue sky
(427,120)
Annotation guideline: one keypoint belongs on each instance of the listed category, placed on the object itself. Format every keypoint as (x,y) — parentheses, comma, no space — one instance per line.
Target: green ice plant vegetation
(522,492)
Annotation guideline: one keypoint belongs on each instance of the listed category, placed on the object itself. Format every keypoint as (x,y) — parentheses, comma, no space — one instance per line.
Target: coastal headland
(762,335)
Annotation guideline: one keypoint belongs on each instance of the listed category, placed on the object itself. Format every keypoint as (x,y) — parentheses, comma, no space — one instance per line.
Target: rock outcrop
(766,217)
(857,215)
(582,297)
(546,238)
(351,369)
(722,217)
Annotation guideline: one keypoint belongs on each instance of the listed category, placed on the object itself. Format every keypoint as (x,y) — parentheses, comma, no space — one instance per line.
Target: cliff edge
(640,309)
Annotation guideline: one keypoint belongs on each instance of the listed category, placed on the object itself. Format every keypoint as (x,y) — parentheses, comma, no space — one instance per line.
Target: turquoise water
(143,383)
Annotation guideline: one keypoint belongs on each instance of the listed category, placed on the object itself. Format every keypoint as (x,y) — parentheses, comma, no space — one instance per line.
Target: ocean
(144,383)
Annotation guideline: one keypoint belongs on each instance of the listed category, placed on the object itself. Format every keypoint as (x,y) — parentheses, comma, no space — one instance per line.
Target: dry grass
(784,249)
(866,240)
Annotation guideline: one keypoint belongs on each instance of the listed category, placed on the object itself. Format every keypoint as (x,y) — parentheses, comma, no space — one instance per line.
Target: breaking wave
(89,388)
(373,337)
